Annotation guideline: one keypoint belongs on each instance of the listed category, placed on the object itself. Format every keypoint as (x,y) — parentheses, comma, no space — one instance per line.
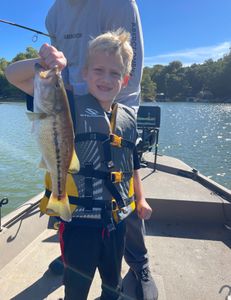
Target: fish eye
(57,83)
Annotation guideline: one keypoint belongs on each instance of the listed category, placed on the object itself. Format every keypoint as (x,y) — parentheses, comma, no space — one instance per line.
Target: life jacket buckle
(116,177)
(110,164)
(115,140)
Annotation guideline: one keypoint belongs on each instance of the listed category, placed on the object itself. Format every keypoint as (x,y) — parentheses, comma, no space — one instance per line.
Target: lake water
(197,133)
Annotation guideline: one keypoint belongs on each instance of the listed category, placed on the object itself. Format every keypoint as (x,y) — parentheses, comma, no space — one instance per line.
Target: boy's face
(104,77)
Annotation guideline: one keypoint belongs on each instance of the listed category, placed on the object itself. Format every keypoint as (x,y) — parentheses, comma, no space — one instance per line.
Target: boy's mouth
(104,88)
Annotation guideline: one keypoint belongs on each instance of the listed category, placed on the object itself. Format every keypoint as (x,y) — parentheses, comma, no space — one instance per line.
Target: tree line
(209,81)
(7,90)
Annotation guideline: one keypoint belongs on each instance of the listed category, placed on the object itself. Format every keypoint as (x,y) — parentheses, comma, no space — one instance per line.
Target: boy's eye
(116,74)
(98,70)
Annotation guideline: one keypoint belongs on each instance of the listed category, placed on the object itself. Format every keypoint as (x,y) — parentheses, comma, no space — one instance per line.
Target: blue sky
(187,30)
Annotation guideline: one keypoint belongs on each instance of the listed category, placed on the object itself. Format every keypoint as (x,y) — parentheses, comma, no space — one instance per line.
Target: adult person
(72,23)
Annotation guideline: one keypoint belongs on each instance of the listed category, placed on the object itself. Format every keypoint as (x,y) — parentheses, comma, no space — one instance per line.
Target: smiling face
(104,77)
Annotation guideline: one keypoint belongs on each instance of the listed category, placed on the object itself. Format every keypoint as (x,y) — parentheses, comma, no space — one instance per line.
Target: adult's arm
(50,23)
(125,14)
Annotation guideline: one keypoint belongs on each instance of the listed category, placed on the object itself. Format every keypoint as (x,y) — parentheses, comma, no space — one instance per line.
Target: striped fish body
(55,136)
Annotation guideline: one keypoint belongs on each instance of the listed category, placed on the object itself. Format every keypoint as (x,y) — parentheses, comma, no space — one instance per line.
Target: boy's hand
(51,57)
(144,210)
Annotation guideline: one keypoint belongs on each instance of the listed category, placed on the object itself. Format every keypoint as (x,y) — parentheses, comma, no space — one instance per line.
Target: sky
(191,31)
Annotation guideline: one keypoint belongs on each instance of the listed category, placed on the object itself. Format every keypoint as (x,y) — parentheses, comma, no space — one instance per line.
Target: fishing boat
(188,236)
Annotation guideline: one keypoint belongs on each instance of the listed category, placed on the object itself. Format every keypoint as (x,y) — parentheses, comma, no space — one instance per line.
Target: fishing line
(35,37)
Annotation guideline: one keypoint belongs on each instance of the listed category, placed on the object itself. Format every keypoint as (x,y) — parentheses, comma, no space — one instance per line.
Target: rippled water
(20,178)
(199,134)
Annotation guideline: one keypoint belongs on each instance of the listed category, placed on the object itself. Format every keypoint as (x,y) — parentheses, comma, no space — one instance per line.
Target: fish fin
(42,164)
(74,165)
(35,116)
(60,207)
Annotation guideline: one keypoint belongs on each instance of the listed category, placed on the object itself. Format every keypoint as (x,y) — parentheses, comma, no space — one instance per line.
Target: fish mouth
(38,67)
(45,73)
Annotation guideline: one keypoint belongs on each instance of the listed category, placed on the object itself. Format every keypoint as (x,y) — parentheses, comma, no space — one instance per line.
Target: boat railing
(4,201)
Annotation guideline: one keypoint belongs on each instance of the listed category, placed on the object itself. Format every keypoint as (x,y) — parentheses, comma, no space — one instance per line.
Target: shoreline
(194,100)
(11,100)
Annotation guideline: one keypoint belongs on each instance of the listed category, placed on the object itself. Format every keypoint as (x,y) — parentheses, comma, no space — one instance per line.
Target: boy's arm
(143,208)
(21,73)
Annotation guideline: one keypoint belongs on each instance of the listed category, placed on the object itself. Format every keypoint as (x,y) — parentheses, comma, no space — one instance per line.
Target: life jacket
(105,151)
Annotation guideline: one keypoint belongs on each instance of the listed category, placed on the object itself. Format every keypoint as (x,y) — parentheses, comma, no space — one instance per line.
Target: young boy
(105,139)
(73,23)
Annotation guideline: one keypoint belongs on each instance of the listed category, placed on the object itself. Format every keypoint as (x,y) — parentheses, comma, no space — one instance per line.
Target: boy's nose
(106,77)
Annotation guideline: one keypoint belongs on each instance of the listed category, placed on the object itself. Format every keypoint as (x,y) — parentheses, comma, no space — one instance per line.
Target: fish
(53,128)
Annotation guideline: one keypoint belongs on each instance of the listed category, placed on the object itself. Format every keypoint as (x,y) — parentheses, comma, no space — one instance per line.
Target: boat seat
(148,125)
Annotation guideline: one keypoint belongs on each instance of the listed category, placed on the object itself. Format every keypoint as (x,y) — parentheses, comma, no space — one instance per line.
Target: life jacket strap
(118,141)
(89,202)
(88,181)
(87,210)
(114,139)
(90,136)
(115,193)
(109,179)
(114,177)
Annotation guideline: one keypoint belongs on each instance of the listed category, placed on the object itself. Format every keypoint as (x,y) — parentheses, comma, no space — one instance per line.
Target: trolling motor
(148,125)
(4,201)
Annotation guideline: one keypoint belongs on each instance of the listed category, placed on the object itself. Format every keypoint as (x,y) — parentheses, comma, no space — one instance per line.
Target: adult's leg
(110,263)
(80,260)
(136,256)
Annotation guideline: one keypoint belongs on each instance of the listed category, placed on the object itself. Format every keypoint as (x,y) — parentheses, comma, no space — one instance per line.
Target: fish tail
(60,207)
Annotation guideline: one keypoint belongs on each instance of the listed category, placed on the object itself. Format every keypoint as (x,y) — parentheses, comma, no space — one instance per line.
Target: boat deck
(187,238)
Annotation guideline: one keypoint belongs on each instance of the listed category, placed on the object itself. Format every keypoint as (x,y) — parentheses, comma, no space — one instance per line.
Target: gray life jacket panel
(102,158)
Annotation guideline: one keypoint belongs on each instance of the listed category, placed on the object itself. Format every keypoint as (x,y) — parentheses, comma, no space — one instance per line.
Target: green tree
(30,53)
(158,76)
(223,86)
(3,64)
(6,89)
(195,82)
(148,87)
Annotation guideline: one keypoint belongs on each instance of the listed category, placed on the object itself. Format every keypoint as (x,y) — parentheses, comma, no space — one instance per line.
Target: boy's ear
(125,80)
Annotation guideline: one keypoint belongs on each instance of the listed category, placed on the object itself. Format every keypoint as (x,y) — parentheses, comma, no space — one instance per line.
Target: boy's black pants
(87,248)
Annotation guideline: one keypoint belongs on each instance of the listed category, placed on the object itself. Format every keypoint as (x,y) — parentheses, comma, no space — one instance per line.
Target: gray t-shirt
(75,22)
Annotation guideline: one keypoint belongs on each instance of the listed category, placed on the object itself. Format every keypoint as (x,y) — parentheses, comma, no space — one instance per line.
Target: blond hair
(113,42)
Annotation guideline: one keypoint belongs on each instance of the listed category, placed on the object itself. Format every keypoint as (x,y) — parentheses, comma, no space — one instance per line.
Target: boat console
(148,125)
